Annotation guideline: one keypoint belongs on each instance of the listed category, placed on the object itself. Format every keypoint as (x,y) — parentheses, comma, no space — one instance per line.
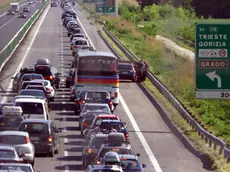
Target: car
(16,167)
(70,23)
(26,9)
(9,154)
(91,148)
(38,87)
(78,44)
(127,71)
(17,78)
(116,143)
(71,28)
(75,38)
(33,108)
(49,88)
(11,118)
(10,12)
(75,31)
(69,78)
(104,168)
(43,134)
(49,73)
(130,163)
(43,61)
(28,77)
(53,4)
(99,107)
(87,120)
(67,19)
(21,15)
(94,96)
(32,82)
(21,141)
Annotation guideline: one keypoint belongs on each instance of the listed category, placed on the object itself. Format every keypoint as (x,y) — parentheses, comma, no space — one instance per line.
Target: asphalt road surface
(11,24)
(149,135)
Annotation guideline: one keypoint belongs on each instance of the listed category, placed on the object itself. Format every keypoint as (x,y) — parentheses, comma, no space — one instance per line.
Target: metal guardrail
(15,41)
(209,138)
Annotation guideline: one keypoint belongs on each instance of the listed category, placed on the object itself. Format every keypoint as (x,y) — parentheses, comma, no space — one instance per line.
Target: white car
(78,44)
(49,88)
(75,39)
(33,108)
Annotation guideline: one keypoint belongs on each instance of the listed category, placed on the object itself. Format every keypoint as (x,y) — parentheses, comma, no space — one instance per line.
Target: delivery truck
(14,7)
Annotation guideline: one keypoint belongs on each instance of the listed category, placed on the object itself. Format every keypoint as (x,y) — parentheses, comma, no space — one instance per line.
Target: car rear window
(97,142)
(97,95)
(31,108)
(30,83)
(31,77)
(125,67)
(34,128)
(33,93)
(13,139)
(81,43)
(43,70)
(14,168)
(10,121)
(7,154)
(118,150)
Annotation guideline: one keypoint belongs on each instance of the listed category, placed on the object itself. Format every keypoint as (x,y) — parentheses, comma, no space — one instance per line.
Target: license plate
(35,138)
(124,72)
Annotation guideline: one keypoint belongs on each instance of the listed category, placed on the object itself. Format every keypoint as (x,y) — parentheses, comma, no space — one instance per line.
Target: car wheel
(56,151)
(57,86)
(51,153)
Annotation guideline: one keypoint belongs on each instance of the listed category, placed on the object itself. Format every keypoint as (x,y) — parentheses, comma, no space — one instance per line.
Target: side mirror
(12,77)
(138,154)
(144,165)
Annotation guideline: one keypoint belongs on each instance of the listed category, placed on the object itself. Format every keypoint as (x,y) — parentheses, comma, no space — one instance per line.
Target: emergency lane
(10,25)
(51,42)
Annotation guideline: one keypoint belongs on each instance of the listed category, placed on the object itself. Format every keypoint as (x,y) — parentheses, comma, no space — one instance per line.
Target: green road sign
(105,6)
(88,1)
(212,56)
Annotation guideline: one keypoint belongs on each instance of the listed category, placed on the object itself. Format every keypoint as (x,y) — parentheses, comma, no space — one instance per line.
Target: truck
(14,7)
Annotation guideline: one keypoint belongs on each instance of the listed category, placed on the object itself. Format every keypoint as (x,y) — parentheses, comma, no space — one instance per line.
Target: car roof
(40,80)
(107,115)
(19,133)
(43,121)
(30,100)
(27,74)
(96,53)
(127,156)
(111,120)
(122,145)
(79,34)
(35,86)
(81,39)
(100,135)
(96,104)
(101,91)
(32,81)
(16,164)
(8,147)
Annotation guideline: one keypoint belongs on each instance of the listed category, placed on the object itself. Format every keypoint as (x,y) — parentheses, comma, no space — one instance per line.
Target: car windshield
(97,142)
(33,93)
(82,42)
(7,154)
(30,83)
(14,168)
(118,150)
(78,36)
(95,108)
(34,128)
(31,77)
(31,108)
(10,121)
(13,139)
(130,164)
(125,67)
(97,95)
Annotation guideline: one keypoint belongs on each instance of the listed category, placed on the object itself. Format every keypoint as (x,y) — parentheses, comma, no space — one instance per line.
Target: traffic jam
(93,80)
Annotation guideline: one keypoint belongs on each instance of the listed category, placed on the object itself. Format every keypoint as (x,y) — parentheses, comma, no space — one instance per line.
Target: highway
(11,24)
(150,136)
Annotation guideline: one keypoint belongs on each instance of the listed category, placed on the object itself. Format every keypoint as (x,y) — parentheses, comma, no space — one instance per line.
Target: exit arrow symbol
(212,75)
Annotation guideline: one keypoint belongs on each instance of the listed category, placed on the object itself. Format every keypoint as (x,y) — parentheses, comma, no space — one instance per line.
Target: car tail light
(51,77)
(116,94)
(111,103)
(75,46)
(84,124)
(80,102)
(27,139)
(127,136)
(89,150)
(98,162)
(49,89)
(50,139)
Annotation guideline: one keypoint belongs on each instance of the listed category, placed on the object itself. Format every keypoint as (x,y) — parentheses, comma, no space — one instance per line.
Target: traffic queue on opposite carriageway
(94,82)
(25,124)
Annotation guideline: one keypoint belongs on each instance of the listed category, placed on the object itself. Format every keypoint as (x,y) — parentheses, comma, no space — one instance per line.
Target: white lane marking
(66,152)
(25,55)
(20,6)
(91,43)
(7,22)
(138,132)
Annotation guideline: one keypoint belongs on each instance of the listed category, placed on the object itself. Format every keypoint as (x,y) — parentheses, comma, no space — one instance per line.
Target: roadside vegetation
(177,74)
